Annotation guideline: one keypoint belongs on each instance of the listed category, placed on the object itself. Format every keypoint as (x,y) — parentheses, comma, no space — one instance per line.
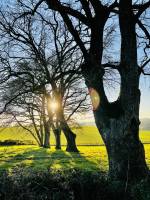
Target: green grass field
(90,157)
(87,135)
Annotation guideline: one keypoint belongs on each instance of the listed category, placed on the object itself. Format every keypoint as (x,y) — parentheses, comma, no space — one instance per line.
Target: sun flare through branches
(53,106)
(95,98)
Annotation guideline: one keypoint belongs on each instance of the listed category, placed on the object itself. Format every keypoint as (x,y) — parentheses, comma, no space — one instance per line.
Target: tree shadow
(42,159)
(63,160)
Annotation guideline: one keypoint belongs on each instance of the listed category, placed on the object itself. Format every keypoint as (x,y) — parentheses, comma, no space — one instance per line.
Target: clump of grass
(24,183)
(141,191)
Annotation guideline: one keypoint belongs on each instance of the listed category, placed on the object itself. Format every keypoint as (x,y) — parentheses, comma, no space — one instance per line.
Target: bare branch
(144,29)
(141,8)
(57,6)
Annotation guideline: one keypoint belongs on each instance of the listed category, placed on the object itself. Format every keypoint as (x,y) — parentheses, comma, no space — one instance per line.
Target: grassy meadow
(89,158)
(86,135)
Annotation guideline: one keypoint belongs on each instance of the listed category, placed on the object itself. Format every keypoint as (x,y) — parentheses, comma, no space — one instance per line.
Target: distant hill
(86,135)
(145,124)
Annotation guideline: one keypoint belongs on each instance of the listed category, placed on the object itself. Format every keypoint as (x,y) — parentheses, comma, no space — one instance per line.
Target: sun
(53,106)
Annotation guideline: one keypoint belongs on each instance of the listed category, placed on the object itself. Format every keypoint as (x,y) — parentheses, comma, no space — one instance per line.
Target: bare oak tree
(118,122)
(54,76)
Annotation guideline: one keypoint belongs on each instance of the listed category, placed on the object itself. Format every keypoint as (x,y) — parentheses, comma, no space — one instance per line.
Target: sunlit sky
(144,105)
(145,98)
(144,86)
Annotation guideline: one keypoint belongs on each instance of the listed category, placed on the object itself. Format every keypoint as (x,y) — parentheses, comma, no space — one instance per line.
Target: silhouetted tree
(117,122)
(35,70)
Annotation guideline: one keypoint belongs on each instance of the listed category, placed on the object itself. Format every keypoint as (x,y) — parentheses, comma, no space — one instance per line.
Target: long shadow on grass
(41,158)
(28,157)
(62,159)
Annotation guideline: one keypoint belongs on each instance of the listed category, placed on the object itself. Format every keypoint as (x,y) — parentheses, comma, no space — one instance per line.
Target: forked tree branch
(57,6)
(144,29)
(141,8)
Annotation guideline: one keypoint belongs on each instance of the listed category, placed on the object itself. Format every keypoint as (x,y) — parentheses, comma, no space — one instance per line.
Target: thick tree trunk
(40,138)
(46,140)
(70,137)
(41,143)
(125,151)
(118,124)
(46,123)
(47,135)
(57,133)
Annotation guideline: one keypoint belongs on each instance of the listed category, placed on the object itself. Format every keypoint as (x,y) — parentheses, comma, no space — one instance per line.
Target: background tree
(39,71)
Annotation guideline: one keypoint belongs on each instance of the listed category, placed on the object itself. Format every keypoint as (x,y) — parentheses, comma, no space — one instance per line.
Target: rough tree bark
(47,136)
(57,133)
(46,123)
(129,148)
(118,122)
(70,136)
(41,134)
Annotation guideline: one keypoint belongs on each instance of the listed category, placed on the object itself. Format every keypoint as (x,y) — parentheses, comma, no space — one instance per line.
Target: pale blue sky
(145,98)
(144,85)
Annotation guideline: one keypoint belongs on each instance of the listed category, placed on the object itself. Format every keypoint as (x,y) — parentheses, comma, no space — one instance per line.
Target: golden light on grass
(95,98)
